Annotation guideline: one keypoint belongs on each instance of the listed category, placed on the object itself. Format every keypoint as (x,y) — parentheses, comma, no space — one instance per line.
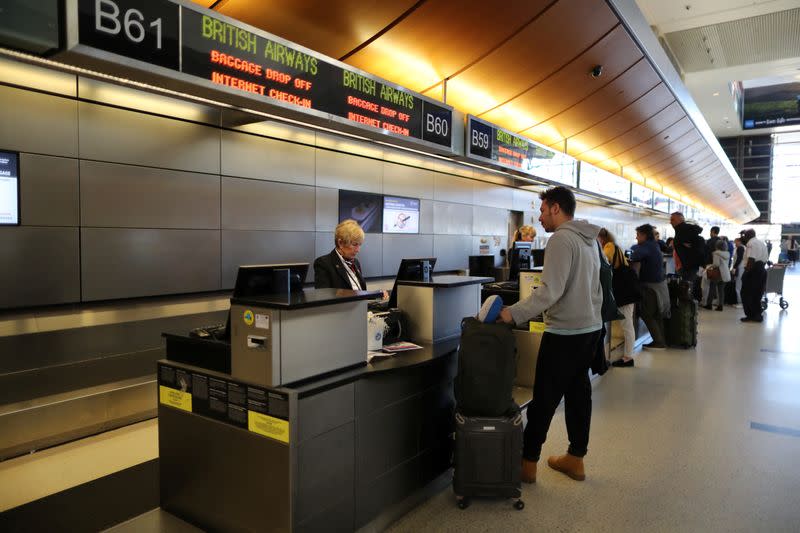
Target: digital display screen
(9,188)
(489,143)
(228,53)
(603,182)
(770,106)
(642,196)
(400,215)
(661,203)
(363,207)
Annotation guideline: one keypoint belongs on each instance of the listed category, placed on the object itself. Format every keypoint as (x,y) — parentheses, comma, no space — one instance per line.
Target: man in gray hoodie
(570,297)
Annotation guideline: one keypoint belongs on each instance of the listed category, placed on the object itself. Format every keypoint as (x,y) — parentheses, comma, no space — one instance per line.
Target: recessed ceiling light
(715,94)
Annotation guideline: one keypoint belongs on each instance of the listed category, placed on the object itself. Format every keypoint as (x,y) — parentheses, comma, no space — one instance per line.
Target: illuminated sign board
(770,106)
(492,144)
(226,53)
(661,203)
(642,196)
(603,182)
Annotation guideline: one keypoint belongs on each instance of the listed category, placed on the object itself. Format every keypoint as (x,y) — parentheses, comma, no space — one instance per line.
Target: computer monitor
(537,257)
(519,258)
(481,265)
(260,280)
(417,269)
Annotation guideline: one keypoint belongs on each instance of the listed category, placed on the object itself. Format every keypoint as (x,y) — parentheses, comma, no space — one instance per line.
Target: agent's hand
(505,316)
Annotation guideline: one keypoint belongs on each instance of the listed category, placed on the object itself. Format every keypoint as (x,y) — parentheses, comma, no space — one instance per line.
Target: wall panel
(263,205)
(452,219)
(40,266)
(343,171)
(263,247)
(251,156)
(407,181)
(489,221)
(38,123)
(48,191)
(327,209)
(489,195)
(119,136)
(396,247)
(126,196)
(452,251)
(126,263)
(447,188)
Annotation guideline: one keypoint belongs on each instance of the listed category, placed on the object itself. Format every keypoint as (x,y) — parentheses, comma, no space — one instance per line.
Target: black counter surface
(448,281)
(307,298)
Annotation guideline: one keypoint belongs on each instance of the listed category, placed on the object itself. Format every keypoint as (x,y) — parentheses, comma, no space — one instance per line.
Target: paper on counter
(401,347)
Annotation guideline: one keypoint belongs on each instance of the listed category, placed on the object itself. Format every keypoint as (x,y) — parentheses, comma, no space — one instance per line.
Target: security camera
(597,71)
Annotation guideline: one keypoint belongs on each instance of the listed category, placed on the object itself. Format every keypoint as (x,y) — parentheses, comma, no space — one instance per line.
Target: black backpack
(625,281)
(487,366)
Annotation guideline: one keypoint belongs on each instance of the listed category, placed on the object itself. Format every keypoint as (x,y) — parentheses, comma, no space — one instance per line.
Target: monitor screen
(9,188)
(363,207)
(400,215)
(260,280)
(537,257)
(481,265)
(412,270)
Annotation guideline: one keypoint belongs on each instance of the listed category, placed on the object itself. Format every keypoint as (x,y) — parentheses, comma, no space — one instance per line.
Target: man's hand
(505,316)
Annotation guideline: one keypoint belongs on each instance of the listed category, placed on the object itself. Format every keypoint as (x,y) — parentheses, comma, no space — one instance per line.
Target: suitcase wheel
(519,505)
(784,303)
(463,503)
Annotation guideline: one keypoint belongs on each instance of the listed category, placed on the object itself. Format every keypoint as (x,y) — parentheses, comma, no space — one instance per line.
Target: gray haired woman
(719,261)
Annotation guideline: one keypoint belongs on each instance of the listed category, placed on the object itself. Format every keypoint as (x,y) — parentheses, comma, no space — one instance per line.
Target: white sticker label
(262,321)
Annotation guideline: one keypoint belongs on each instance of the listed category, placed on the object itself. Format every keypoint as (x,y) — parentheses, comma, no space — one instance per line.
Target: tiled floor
(687,440)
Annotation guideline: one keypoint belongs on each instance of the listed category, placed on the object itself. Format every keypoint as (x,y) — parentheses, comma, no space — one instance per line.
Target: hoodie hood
(723,253)
(582,228)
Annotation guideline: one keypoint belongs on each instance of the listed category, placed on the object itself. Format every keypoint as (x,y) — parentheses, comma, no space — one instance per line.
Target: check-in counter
(435,308)
(339,452)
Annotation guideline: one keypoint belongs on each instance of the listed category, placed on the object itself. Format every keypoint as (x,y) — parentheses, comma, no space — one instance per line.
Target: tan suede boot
(528,471)
(569,465)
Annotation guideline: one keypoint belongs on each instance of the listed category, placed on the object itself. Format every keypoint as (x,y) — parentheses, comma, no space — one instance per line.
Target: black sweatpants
(753,283)
(562,371)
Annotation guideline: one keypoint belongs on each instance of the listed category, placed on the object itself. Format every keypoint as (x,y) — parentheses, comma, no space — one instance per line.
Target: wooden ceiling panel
(651,103)
(439,39)
(646,130)
(616,52)
(333,28)
(630,86)
(655,142)
(689,142)
(684,167)
(204,3)
(689,156)
(531,56)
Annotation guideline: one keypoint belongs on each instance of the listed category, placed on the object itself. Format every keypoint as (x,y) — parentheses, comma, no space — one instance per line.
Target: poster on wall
(9,188)
(400,215)
(363,207)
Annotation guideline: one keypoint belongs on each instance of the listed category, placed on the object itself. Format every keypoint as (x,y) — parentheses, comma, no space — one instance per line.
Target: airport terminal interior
(247,247)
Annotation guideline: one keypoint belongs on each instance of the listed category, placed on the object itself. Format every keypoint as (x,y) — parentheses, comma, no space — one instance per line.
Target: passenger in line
(719,260)
(738,269)
(341,269)
(755,277)
(688,255)
(571,298)
(655,296)
(661,244)
(625,295)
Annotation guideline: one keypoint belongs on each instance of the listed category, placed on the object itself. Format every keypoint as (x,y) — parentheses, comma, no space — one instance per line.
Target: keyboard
(210,332)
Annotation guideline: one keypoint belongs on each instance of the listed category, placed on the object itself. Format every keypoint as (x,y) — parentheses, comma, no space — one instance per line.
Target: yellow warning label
(269,426)
(248,317)
(175,398)
(536,327)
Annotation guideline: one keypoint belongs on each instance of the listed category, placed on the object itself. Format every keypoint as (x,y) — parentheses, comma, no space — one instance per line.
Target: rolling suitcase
(730,293)
(681,328)
(488,458)
(487,366)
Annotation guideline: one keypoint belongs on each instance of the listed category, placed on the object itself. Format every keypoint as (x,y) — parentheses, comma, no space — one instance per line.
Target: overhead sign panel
(215,51)
(492,144)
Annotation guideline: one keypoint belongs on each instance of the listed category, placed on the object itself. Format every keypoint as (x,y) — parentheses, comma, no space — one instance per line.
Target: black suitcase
(681,328)
(730,293)
(487,366)
(488,458)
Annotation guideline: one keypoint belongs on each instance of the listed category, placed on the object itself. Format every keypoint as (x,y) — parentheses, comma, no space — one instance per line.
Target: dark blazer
(329,273)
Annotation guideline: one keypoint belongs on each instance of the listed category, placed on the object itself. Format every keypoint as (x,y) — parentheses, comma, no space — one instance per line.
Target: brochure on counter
(391,349)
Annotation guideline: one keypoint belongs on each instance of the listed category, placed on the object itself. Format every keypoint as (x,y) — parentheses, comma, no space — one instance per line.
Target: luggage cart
(775,275)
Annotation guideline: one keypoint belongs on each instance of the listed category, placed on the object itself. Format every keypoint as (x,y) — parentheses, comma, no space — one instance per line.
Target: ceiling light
(715,94)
